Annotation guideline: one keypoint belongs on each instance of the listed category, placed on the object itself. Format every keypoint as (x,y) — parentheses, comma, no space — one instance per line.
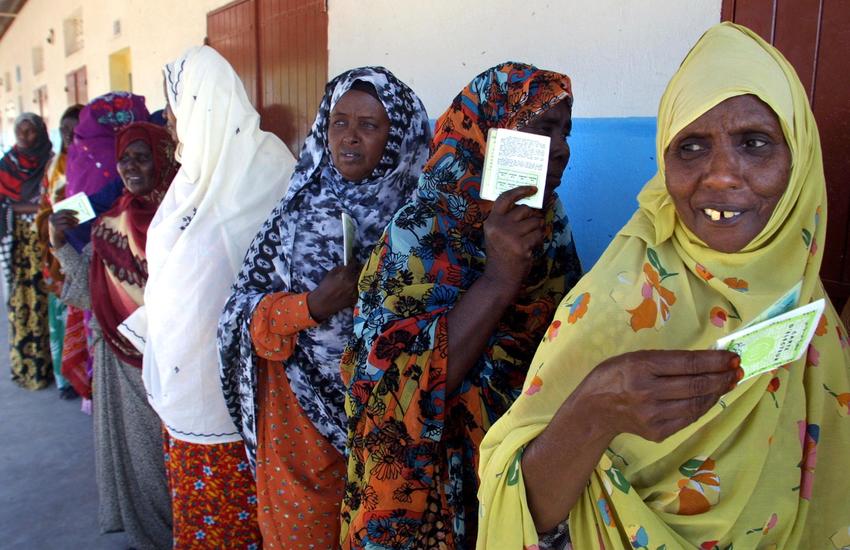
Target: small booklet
(79,204)
(769,344)
(514,159)
(349,238)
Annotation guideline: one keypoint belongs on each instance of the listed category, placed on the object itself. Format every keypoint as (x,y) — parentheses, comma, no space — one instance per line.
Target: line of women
(451,380)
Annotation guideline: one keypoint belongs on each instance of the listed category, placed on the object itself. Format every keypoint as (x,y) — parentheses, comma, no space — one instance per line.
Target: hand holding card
(79,204)
(775,342)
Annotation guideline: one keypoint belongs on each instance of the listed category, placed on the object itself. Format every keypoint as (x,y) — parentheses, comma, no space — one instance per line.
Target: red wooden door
(815,37)
(82,86)
(280,50)
(76,86)
(232,30)
(41,99)
(294,59)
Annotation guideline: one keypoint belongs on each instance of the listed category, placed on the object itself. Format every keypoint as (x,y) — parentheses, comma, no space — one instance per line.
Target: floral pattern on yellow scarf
(767,466)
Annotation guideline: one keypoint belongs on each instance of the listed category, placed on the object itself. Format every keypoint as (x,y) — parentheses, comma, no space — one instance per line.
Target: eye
(338,123)
(369,125)
(755,142)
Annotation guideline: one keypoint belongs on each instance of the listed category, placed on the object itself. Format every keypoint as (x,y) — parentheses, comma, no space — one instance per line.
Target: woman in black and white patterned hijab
(285,326)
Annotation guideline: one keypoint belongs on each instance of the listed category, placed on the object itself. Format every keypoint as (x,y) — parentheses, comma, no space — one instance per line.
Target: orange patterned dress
(300,475)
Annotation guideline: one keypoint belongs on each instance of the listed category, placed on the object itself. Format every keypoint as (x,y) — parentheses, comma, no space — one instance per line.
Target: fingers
(522,212)
(673,388)
(689,363)
(673,416)
(353,268)
(507,199)
(528,225)
(66,218)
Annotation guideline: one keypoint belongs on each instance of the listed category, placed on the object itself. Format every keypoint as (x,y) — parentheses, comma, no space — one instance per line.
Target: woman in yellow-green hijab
(637,449)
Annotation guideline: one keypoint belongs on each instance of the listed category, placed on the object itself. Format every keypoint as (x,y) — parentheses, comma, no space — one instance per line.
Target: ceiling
(9,8)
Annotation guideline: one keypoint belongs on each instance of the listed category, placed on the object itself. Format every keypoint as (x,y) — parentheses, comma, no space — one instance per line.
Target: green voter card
(778,341)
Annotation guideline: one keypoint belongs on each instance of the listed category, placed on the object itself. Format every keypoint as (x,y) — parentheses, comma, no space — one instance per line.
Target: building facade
(619,53)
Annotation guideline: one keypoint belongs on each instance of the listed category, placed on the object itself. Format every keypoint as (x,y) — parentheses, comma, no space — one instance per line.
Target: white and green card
(79,204)
(775,342)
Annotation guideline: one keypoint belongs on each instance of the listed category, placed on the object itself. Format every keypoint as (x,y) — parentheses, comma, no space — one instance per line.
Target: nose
(351,137)
(559,148)
(130,167)
(724,168)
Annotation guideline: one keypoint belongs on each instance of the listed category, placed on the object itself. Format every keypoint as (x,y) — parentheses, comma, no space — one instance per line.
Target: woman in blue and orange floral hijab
(452,303)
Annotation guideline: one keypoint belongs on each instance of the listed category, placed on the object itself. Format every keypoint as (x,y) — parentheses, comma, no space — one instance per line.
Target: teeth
(715,215)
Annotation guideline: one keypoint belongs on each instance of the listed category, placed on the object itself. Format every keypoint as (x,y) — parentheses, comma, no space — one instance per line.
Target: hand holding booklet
(79,204)
(781,339)
(515,159)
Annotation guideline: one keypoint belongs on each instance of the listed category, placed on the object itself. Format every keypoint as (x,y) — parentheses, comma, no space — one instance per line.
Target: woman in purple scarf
(91,169)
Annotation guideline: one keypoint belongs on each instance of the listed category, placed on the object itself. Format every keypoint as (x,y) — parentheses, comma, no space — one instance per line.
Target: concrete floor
(48,498)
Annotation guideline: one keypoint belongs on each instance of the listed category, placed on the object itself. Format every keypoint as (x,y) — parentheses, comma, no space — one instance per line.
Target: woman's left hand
(61,222)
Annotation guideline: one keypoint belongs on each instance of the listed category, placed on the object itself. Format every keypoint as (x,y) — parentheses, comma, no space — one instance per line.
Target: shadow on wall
(610,161)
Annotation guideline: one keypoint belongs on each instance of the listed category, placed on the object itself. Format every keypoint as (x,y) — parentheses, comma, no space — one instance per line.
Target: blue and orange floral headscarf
(413,447)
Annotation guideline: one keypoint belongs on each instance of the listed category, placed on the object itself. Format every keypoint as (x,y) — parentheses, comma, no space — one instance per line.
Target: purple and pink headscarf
(92,164)
(91,158)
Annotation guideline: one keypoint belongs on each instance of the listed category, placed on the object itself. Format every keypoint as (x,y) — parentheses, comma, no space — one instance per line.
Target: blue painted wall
(610,161)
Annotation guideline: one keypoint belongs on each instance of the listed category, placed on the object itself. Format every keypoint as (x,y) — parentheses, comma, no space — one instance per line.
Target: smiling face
(136,168)
(26,135)
(357,134)
(727,170)
(555,123)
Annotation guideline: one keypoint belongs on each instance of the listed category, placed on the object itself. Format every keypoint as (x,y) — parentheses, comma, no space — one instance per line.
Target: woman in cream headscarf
(632,446)
(232,175)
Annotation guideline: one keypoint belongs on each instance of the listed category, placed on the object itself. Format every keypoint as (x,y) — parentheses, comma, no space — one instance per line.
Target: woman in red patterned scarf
(109,277)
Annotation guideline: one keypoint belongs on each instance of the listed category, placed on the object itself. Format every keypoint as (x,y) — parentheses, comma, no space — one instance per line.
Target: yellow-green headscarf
(766,467)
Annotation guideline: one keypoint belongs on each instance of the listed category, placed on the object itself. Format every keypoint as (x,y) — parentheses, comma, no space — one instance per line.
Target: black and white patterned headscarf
(302,240)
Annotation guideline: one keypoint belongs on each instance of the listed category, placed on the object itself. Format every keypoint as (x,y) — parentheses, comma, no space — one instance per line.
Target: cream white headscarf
(232,176)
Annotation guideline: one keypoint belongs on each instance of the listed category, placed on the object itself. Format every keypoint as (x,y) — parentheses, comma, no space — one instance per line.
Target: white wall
(156,31)
(618,53)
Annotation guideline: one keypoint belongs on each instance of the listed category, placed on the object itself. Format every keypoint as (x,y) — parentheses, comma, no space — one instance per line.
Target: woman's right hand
(61,221)
(337,291)
(654,394)
(511,234)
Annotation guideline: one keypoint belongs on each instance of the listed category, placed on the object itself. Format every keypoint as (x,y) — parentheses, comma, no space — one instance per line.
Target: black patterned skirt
(29,332)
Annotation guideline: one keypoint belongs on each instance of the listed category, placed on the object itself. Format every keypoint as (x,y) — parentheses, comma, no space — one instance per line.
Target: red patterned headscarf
(119,266)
